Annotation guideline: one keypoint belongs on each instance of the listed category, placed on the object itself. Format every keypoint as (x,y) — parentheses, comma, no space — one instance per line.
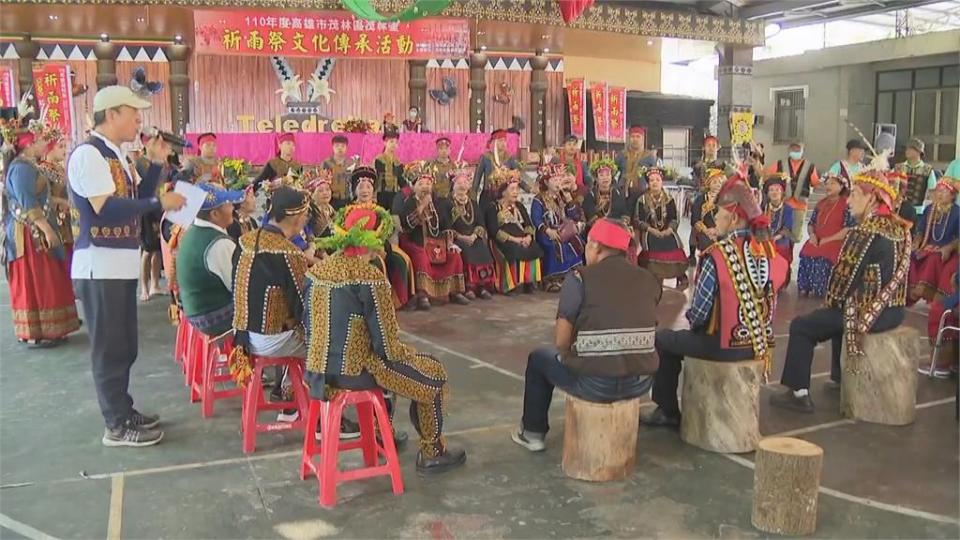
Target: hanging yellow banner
(741,127)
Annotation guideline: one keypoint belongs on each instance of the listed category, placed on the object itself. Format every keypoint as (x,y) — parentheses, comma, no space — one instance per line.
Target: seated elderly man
(353,337)
(205,263)
(604,347)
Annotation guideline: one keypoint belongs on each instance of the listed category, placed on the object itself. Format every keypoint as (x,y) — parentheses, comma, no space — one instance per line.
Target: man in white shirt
(106,259)
(205,263)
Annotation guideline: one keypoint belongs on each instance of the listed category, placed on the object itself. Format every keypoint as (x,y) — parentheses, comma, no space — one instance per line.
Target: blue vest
(96,230)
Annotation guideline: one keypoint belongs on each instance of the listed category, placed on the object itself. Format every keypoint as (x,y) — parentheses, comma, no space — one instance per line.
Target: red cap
(638,129)
(284,137)
(204,137)
(709,138)
(608,234)
(498,134)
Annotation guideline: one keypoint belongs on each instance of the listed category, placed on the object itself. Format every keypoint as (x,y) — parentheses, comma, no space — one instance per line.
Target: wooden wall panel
(500,115)
(556,109)
(160,114)
(227,86)
(456,115)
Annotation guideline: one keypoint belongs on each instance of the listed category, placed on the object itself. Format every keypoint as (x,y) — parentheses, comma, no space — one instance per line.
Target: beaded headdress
(604,163)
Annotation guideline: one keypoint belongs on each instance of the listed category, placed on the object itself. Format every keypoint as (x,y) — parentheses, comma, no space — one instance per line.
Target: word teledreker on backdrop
(280,124)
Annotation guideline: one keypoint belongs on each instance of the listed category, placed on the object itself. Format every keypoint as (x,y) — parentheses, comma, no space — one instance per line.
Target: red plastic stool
(180,347)
(214,368)
(370,408)
(189,354)
(254,400)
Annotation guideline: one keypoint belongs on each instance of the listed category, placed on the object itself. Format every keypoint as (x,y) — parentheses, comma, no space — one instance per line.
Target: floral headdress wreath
(604,163)
(358,236)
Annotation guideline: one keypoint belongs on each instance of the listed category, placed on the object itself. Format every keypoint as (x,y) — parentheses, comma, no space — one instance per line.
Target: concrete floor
(56,480)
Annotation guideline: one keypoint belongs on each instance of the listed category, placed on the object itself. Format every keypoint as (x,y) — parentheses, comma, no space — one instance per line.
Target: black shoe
(513,292)
(459,299)
(144,421)
(787,400)
(349,430)
(660,418)
(128,435)
(451,459)
(411,305)
(831,385)
(528,288)
(423,303)
(485,294)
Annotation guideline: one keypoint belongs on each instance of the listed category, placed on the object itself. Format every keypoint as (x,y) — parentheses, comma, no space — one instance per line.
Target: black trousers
(110,313)
(825,324)
(673,346)
(545,372)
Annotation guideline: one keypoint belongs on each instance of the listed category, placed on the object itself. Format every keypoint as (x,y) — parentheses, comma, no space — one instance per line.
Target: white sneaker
(531,444)
(289,415)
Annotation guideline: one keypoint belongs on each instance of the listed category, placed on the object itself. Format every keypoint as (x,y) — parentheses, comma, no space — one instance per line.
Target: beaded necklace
(657,203)
(431,225)
(463,210)
(940,214)
(776,217)
(823,217)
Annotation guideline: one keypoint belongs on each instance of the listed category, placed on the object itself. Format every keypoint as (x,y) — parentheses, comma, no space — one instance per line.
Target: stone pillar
(177,54)
(27,50)
(734,76)
(106,53)
(418,88)
(478,92)
(538,103)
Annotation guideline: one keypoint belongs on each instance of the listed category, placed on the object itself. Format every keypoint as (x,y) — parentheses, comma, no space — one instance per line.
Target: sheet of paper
(188,213)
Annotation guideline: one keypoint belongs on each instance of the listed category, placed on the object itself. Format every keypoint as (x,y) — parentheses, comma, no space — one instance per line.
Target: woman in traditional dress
(604,199)
(322,211)
(52,167)
(470,236)
(780,216)
(827,229)
(656,222)
(517,254)
(396,263)
(704,211)
(41,294)
(559,224)
(243,220)
(934,259)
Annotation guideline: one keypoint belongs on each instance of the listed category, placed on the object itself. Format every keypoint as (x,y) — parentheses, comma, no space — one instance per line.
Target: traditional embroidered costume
(829,217)
(557,213)
(576,165)
(704,168)
(279,168)
(508,222)
(781,218)
(734,299)
(41,294)
(443,170)
(353,336)
(390,174)
(632,163)
(866,294)
(59,215)
(937,229)
(800,176)
(661,252)
(426,238)
(470,235)
(704,211)
(202,169)
(495,168)
(339,171)
(605,202)
(921,177)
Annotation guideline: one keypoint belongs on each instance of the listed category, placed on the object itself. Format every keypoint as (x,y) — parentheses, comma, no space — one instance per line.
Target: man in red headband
(742,268)
(866,294)
(443,168)
(573,158)
(632,162)
(711,149)
(492,170)
(283,165)
(204,167)
(339,168)
(604,348)
(353,338)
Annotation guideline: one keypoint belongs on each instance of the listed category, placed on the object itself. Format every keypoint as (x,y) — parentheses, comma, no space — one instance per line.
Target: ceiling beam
(768,9)
(841,14)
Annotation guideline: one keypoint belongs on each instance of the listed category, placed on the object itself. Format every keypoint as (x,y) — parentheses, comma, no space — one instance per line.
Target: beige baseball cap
(117,96)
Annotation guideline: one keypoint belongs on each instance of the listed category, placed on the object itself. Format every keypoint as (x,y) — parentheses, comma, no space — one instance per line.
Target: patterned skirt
(435,280)
(41,295)
(813,275)
(664,257)
(930,271)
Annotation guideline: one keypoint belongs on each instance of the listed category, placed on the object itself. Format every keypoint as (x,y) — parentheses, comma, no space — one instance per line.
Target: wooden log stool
(600,439)
(786,483)
(720,405)
(881,386)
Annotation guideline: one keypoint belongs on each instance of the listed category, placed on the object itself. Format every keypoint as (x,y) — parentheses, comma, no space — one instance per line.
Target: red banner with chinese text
(8,91)
(598,98)
(617,114)
(327,34)
(577,107)
(53,96)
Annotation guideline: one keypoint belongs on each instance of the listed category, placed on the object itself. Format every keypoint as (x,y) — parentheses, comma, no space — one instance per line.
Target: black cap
(288,201)
(571,138)
(855,143)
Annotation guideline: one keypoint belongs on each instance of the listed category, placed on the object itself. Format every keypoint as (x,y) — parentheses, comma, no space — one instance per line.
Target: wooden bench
(881,386)
(600,439)
(721,405)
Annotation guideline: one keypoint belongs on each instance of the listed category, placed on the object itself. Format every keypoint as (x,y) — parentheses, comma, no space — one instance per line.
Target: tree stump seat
(600,439)
(720,405)
(881,385)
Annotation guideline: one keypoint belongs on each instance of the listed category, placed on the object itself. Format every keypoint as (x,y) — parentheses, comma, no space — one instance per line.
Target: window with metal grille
(788,115)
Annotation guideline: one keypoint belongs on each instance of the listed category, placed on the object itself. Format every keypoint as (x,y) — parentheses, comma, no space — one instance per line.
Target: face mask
(796,155)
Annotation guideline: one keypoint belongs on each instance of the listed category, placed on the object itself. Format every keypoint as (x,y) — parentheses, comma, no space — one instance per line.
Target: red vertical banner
(617,114)
(598,97)
(53,96)
(577,107)
(8,92)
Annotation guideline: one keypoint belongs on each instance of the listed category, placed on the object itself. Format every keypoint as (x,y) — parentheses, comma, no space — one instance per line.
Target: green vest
(201,291)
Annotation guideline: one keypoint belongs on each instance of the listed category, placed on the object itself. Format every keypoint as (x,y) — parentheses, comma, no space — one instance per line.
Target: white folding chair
(939,341)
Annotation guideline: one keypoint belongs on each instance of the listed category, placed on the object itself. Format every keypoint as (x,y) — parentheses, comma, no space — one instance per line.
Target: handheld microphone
(170,138)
